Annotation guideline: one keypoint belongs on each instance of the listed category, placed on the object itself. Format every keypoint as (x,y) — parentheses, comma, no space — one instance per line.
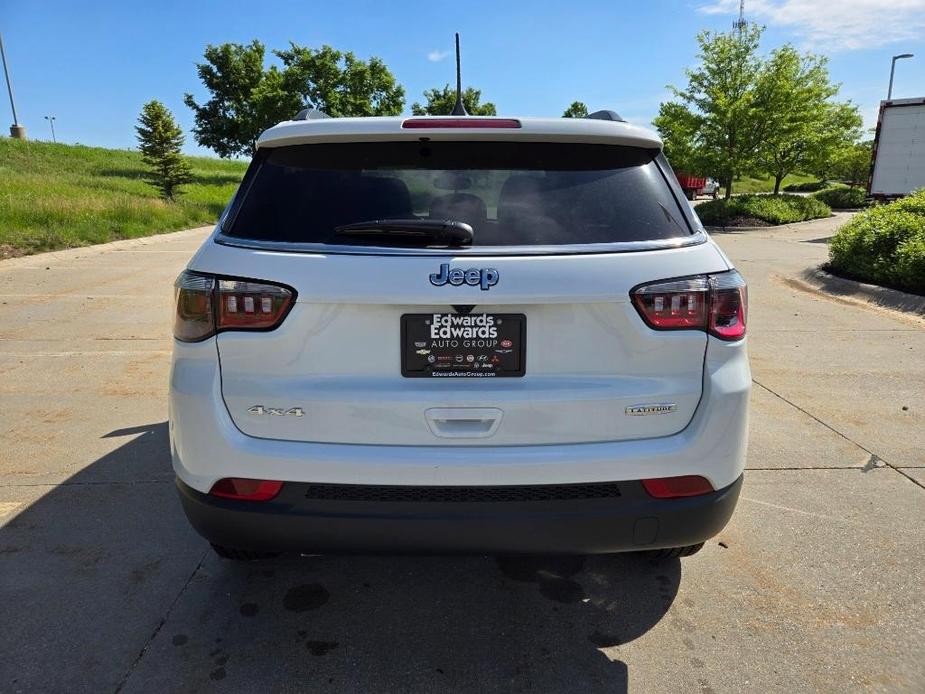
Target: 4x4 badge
(277,411)
(475,277)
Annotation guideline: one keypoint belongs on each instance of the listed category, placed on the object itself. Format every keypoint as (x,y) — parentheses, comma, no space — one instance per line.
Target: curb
(770,227)
(868,293)
(95,249)
(789,225)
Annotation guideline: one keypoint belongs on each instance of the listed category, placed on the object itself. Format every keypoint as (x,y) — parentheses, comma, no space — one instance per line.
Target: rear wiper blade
(438,232)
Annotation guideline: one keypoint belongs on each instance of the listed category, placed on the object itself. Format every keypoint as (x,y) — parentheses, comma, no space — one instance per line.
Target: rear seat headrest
(382,197)
(520,193)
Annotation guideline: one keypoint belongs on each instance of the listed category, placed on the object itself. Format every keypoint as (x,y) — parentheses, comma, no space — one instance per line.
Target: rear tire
(674,552)
(242,554)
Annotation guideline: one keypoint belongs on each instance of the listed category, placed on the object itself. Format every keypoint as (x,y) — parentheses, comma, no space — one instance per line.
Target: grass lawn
(59,196)
(749,184)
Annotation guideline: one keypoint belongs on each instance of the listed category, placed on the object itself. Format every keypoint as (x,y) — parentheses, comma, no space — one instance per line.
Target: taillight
(728,306)
(243,489)
(194,319)
(467,122)
(677,487)
(206,305)
(244,305)
(716,303)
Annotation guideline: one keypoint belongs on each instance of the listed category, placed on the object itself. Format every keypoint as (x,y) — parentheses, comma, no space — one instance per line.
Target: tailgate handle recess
(463,422)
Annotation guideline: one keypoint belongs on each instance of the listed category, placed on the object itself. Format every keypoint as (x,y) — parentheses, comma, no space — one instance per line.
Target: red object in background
(692,185)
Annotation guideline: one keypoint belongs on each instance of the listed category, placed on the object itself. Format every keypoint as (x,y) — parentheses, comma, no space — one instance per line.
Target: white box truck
(898,165)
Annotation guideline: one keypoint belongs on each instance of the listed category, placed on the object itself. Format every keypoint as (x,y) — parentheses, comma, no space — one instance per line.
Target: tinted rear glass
(511,194)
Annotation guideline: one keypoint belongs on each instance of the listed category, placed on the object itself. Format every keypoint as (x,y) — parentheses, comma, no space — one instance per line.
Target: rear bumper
(298,521)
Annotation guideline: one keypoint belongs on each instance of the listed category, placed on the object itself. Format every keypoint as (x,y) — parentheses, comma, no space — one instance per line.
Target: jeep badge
(481,277)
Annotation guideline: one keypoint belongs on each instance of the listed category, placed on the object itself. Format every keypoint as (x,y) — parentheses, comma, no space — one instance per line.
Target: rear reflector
(206,305)
(676,487)
(469,122)
(245,489)
(717,304)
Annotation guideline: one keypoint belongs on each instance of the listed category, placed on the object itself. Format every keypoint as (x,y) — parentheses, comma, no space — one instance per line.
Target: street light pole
(16,130)
(889,93)
(51,121)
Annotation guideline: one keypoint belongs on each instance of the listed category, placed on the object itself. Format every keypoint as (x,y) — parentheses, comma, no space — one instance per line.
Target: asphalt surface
(817,583)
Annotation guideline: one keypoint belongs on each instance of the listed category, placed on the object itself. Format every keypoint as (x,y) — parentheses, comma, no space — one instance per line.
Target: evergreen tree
(160,140)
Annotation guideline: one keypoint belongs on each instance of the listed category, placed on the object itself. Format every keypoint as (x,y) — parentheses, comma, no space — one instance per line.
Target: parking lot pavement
(816,583)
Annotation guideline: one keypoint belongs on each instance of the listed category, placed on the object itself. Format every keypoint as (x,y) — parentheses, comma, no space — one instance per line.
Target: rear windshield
(511,194)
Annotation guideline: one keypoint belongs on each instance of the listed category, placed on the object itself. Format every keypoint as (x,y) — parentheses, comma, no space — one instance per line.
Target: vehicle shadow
(105,586)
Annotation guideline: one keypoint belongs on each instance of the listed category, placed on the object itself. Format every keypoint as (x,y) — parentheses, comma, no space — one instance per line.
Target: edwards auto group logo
(485,277)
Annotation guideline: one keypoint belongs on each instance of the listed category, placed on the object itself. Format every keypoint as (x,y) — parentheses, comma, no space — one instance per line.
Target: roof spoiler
(606,115)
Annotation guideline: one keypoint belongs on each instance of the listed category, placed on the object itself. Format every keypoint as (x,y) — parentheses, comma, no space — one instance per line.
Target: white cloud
(437,56)
(845,25)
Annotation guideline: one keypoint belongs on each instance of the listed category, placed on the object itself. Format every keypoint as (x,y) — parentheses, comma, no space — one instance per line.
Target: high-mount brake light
(467,122)
(242,489)
(206,305)
(717,304)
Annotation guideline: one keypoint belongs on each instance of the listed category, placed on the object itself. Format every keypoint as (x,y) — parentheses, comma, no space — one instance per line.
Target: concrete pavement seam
(160,624)
(844,436)
(4,485)
(807,467)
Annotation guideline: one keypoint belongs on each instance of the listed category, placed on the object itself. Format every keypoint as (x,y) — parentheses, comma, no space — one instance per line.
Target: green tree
(440,102)
(160,140)
(719,108)
(339,83)
(804,126)
(246,98)
(578,109)
(679,130)
(851,164)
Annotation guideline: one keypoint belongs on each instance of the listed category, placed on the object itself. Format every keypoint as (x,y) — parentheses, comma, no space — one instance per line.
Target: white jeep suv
(459,334)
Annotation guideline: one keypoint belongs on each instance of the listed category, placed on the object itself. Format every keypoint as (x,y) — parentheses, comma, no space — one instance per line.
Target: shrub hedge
(807,187)
(744,210)
(884,245)
(842,198)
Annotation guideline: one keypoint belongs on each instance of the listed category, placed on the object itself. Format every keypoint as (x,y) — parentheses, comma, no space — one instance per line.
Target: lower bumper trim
(298,521)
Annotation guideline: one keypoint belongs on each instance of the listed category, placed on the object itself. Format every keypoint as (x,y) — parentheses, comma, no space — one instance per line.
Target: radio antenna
(459,109)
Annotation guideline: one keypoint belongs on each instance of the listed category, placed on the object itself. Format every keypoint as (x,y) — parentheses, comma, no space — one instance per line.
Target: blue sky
(92,64)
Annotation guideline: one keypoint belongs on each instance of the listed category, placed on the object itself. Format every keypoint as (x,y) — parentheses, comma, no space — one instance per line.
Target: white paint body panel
(589,356)
(365,424)
(337,354)
(899,164)
(206,445)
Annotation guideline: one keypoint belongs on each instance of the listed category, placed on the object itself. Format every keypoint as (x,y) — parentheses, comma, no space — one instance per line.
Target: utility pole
(16,130)
(51,122)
